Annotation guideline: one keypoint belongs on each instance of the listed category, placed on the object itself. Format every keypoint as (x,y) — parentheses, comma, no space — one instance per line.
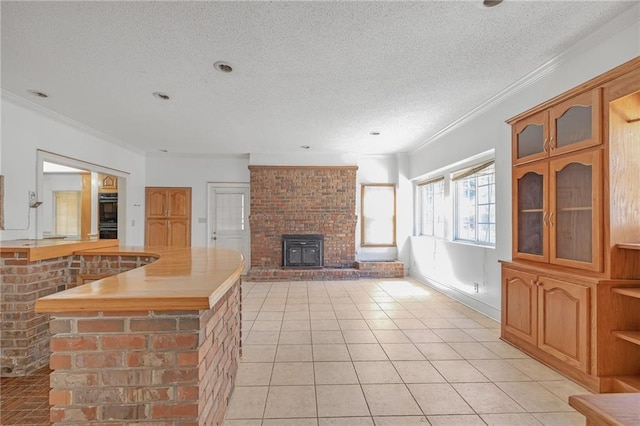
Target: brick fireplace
(303,200)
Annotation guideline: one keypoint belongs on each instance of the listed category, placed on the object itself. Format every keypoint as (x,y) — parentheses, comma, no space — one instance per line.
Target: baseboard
(459,296)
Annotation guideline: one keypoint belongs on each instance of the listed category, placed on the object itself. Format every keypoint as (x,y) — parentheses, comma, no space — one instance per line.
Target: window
(431,208)
(378,215)
(67,212)
(475,204)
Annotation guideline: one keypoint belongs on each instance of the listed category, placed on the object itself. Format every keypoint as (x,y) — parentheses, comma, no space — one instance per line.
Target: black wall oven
(108,215)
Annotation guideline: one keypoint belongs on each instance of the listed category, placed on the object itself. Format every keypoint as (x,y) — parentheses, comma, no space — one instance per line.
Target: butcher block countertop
(192,278)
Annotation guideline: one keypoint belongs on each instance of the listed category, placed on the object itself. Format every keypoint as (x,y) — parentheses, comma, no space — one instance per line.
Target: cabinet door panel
(156,232)
(179,233)
(520,304)
(530,138)
(156,202)
(179,202)
(531,236)
(576,204)
(563,321)
(575,123)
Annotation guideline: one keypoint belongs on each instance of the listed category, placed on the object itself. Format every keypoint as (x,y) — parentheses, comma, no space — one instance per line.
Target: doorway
(228,224)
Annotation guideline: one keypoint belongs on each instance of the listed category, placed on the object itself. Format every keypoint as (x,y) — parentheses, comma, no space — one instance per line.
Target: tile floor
(25,400)
(384,352)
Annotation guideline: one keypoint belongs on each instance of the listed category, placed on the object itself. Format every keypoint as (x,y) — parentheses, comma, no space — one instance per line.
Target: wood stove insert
(303,250)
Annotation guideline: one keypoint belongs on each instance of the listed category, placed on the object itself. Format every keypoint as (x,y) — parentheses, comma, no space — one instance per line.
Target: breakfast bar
(154,339)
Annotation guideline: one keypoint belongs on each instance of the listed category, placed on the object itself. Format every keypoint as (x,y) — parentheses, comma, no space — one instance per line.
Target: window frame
(363,216)
(456,179)
(440,180)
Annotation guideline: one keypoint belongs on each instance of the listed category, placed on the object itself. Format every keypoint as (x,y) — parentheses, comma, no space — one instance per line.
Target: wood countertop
(192,278)
(614,409)
(50,249)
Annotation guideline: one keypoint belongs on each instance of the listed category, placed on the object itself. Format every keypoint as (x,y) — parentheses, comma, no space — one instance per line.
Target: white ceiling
(323,74)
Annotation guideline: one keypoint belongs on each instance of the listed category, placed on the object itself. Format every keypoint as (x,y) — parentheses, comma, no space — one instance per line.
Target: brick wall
(303,200)
(24,336)
(165,367)
(387,269)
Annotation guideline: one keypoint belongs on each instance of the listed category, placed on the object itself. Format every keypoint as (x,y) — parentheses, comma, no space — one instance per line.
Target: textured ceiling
(323,74)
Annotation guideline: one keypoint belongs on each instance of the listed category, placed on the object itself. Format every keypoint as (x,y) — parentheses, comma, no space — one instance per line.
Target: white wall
(196,173)
(454,266)
(25,130)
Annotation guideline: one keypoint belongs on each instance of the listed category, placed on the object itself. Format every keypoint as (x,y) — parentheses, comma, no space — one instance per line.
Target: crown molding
(12,97)
(620,23)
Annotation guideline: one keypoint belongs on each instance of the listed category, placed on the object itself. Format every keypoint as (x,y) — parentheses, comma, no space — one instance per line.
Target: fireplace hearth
(303,250)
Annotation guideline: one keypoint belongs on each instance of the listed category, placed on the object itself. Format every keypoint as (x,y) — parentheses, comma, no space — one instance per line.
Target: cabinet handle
(552,145)
(545,145)
(544,219)
(551,219)
(534,282)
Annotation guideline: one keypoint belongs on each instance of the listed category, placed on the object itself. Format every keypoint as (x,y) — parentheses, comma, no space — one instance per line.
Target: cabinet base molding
(590,382)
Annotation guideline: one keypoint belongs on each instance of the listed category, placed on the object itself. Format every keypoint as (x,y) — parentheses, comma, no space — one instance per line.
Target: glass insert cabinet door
(531,212)
(575,205)
(530,138)
(575,123)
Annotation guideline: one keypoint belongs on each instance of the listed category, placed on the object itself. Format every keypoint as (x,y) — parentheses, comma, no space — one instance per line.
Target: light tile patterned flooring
(384,352)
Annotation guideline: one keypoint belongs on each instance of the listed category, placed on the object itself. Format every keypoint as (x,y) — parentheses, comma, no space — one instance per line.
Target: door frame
(212,185)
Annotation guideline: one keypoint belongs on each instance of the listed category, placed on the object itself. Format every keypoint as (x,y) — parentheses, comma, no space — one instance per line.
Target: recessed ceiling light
(305,146)
(222,66)
(491,3)
(38,93)
(161,95)
(374,133)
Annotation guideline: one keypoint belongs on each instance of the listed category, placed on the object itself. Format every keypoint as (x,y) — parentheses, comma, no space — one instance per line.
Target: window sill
(474,244)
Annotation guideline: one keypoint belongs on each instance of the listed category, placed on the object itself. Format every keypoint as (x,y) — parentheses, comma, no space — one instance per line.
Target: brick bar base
(169,368)
(24,337)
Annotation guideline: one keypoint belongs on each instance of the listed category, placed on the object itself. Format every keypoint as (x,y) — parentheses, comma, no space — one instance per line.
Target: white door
(229,218)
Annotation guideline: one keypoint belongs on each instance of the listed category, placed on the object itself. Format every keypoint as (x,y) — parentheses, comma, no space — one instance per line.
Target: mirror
(79,201)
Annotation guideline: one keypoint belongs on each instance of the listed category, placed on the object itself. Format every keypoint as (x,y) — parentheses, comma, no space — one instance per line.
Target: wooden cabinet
(563,321)
(107,183)
(520,304)
(168,217)
(567,126)
(576,217)
(547,313)
(557,208)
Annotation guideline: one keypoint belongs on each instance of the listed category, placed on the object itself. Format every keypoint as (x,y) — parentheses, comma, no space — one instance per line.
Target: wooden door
(575,123)
(156,202)
(530,212)
(575,221)
(179,233)
(530,138)
(520,304)
(563,321)
(179,202)
(156,232)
